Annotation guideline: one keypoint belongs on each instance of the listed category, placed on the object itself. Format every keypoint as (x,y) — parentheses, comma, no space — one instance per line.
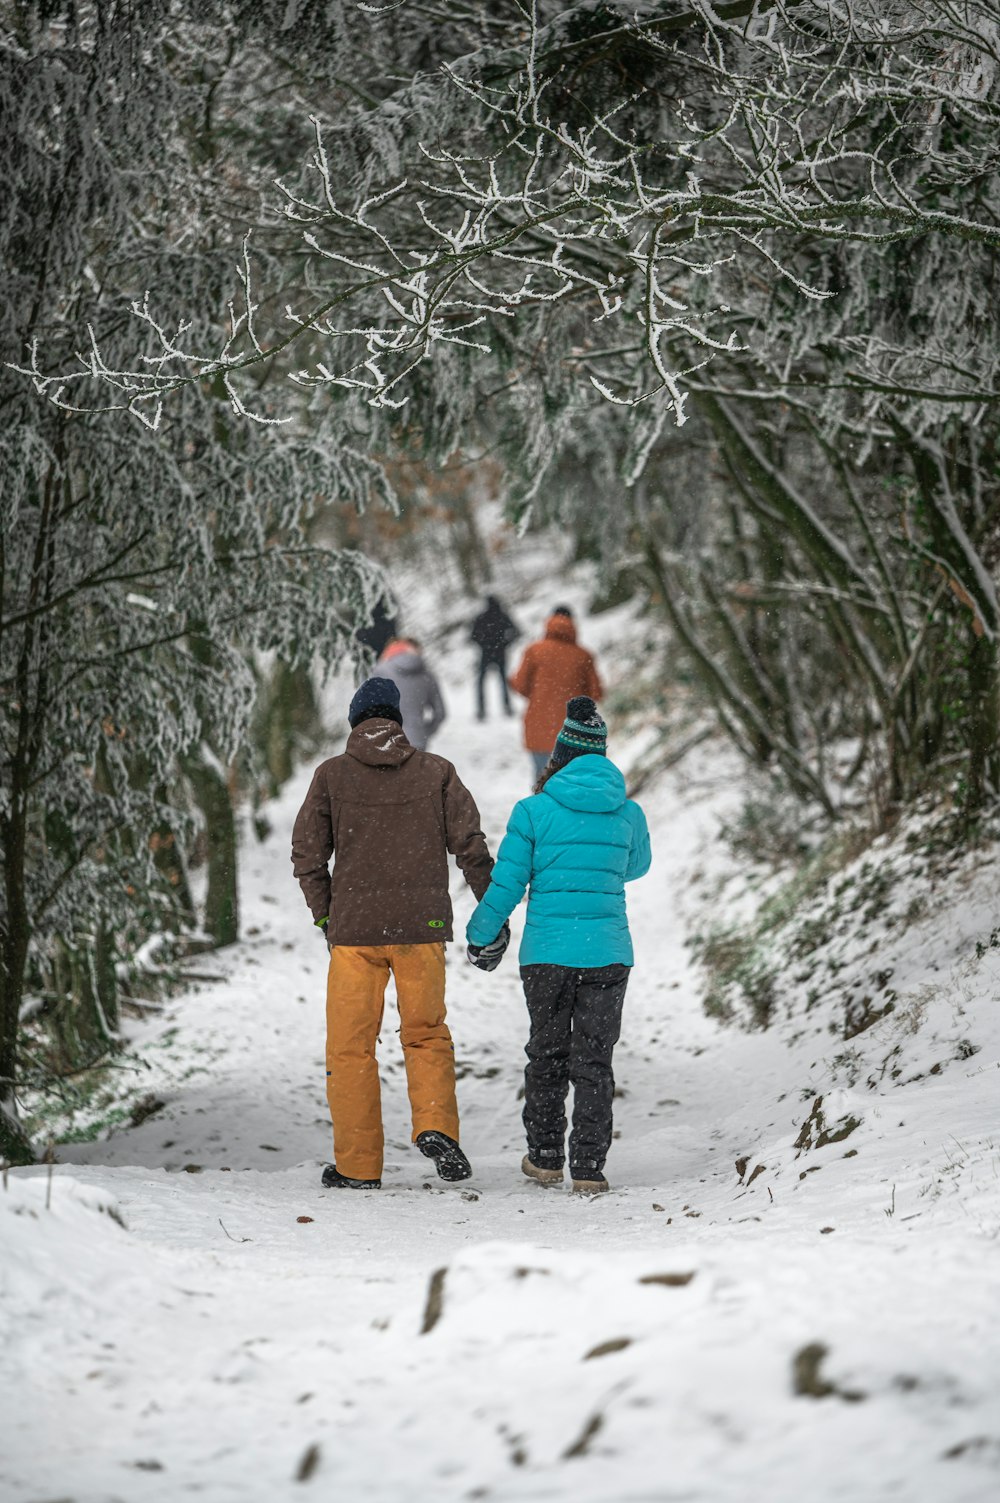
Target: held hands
(488,957)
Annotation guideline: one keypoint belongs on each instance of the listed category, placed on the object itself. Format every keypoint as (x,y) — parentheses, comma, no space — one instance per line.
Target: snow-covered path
(251,1337)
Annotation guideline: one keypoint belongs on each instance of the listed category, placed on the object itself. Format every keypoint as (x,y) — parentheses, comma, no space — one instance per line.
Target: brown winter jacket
(551,672)
(388,814)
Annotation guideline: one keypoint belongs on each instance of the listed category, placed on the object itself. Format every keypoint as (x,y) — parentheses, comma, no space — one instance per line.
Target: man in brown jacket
(389,815)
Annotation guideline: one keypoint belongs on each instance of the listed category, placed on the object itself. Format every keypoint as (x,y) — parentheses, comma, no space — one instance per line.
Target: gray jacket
(420,702)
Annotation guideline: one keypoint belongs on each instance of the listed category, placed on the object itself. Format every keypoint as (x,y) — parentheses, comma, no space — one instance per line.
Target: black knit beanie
(377,699)
(583,731)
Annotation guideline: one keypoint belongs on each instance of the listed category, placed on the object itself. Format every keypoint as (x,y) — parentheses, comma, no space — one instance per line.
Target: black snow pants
(487,661)
(575,1022)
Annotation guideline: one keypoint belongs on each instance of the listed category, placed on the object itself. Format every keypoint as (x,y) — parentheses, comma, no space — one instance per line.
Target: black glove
(488,957)
(321,926)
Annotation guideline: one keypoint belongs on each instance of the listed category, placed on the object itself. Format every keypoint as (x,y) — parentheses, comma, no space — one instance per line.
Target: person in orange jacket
(552,671)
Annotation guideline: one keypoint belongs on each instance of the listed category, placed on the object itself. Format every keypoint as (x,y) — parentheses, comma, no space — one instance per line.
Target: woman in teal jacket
(573,844)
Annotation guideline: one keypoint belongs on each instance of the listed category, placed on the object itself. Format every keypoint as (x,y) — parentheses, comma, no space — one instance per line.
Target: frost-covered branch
(542,168)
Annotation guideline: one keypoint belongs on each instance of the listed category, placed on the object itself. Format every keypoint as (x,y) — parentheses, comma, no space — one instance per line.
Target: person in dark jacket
(493,631)
(380,629)
(388,815)
(573,844)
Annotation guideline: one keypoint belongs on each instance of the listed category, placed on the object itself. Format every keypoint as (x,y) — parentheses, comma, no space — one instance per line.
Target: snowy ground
(692,1335)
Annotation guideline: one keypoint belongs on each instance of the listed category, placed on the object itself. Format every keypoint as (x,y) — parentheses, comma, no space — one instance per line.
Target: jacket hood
(560,629)
(590,783)
(395,648)
(379,743)
(405,662)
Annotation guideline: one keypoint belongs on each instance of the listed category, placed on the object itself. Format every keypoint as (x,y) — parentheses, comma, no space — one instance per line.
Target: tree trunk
(169,859)
(15,1146)
(83,1032)
(30,694)
(732,705)
(289,720)
(967,575)
(212,793)
(470,549)
(983,669)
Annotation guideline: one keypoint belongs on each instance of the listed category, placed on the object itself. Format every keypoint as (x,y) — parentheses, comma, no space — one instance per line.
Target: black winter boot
(588,1181)
(334,1180)
(449,1160)
(540,1173)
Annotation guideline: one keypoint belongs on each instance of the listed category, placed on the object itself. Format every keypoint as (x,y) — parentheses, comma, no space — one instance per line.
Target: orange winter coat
(551,672)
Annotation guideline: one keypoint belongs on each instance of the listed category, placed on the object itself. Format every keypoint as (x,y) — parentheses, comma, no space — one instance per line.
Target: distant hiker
(493,632)
(388,815)
(573,844)
(420,701)
(380,630)
(551,672)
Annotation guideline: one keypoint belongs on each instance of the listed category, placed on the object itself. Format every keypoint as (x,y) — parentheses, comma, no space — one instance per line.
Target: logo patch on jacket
(435,923)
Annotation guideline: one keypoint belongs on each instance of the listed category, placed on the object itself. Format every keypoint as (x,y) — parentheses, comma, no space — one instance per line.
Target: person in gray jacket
(420,702)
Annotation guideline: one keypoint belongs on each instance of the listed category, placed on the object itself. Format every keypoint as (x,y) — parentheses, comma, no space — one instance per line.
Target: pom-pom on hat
(583,731)
(377,696)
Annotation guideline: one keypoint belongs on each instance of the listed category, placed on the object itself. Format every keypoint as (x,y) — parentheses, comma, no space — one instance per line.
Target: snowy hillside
(792,1291)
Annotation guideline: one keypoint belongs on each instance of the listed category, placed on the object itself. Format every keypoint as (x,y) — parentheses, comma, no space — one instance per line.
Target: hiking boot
(539,1175)
(449,1160)
(334,1180)
(588,1182)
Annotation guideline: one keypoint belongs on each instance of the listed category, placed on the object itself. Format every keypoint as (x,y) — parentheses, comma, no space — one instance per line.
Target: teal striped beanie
(583,731)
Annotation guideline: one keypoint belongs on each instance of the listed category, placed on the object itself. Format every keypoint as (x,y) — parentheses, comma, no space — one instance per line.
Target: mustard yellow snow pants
(355,999)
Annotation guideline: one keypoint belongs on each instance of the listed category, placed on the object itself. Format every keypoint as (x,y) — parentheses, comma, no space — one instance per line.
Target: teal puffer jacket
(575,845)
